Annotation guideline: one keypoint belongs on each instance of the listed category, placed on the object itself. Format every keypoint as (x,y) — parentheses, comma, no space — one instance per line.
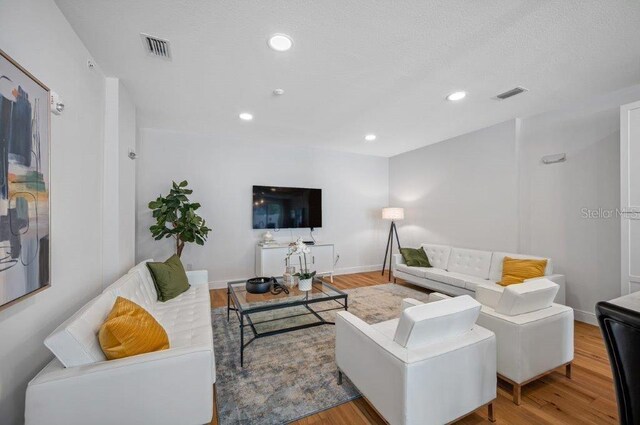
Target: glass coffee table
(272,314)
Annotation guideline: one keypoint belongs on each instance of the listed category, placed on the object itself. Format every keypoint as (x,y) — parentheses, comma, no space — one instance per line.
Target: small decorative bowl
(259,285)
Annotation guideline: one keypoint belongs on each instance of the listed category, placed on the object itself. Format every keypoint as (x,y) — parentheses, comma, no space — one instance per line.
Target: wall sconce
(554,159)
(56,103)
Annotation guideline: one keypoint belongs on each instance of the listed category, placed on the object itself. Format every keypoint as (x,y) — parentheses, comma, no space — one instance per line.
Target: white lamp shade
(390,213)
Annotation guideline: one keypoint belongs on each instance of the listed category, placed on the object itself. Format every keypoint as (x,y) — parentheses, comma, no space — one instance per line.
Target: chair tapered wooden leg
(491,414)
(567,370)
(339,378)
(517,394)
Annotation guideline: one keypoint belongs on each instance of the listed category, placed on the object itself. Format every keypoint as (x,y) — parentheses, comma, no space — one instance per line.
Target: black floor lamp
(392,214)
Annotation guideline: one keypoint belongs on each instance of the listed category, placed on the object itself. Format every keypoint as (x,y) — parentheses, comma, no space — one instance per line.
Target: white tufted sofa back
(498,257)
(470,261)
(137,286)
(438,255)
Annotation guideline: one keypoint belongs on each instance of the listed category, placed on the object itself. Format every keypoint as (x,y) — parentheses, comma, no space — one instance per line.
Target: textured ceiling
(358,66)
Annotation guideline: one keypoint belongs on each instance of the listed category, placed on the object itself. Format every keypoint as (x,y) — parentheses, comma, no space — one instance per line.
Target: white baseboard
(585,316)
(221,284)
(357,269)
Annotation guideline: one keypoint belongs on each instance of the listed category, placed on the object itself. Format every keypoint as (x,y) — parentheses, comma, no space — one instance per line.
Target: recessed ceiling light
(245,116)
(370,137)
(280,42)
(458,95)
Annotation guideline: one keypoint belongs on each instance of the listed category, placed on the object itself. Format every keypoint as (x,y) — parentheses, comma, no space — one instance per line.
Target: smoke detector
(511,93)
(156,46)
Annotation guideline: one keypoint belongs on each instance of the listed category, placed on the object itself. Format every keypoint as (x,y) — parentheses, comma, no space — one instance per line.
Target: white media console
(270,259)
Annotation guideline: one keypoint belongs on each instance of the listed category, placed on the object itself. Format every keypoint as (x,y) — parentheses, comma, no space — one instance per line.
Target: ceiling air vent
(510,93)
(156,46)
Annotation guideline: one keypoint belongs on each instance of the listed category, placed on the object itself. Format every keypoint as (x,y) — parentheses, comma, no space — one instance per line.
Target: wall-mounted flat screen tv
(286,207)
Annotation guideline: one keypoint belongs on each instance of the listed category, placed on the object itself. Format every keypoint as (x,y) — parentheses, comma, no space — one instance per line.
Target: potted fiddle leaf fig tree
(176,218)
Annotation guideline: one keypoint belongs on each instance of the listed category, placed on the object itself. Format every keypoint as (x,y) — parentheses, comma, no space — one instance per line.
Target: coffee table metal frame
(244,312)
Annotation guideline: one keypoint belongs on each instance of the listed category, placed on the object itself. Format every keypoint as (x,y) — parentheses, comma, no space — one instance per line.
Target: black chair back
(621,330)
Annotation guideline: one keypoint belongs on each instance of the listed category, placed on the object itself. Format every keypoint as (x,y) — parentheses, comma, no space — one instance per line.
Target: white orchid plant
(300,249)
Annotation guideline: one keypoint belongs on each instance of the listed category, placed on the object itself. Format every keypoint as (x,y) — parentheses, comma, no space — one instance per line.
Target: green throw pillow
(415,257)
(169,278)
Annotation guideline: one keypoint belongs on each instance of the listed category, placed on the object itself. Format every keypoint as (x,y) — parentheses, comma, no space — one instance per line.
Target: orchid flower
(301,249)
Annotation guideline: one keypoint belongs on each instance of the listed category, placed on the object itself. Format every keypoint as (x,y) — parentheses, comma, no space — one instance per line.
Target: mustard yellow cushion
(130,330)
(517,270)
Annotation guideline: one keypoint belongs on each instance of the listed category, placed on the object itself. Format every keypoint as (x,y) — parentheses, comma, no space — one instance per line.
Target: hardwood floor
(587,398)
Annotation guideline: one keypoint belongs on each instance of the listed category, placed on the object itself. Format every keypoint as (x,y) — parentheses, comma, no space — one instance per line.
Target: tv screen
(286,207)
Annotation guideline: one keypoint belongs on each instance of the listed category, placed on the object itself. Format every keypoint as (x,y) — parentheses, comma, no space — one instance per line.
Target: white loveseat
(431,366)
(458,271)
(169,387)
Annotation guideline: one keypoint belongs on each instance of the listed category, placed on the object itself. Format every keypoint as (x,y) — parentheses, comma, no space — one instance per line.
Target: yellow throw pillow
(517,270)
(130,330)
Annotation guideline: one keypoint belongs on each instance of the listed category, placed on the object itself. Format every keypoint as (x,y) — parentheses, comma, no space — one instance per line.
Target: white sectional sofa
(169,387)
(458,271)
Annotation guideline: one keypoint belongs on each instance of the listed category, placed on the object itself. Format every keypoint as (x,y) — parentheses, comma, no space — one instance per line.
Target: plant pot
(305,284)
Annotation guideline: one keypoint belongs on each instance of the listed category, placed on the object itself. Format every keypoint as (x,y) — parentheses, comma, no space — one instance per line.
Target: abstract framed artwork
(24,183)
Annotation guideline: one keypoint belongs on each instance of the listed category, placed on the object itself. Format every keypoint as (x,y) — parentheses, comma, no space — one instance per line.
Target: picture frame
(25,142)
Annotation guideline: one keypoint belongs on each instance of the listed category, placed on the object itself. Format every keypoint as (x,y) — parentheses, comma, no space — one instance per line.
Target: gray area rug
(289,376)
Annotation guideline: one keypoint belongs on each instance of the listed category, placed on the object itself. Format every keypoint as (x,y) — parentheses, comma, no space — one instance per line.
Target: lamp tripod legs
(389,249)
(395,231)
(386,250)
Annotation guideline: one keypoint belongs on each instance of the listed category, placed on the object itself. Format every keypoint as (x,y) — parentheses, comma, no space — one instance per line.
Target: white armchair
(534,335)
(431,366)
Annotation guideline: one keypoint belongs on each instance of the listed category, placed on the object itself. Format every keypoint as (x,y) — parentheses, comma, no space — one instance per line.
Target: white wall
(126,182)
(355,188)
(488,189)
(37,36)
(462,191)
(587,251)
(119,176)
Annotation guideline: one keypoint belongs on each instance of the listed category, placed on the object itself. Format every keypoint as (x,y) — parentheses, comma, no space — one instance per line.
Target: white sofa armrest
(198,277)
(361,349)
(180,380)
(433,297)
(410,302)
(527,297)
(561,281)
(488,294)
(397,259)
(347,323)
(437,296)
